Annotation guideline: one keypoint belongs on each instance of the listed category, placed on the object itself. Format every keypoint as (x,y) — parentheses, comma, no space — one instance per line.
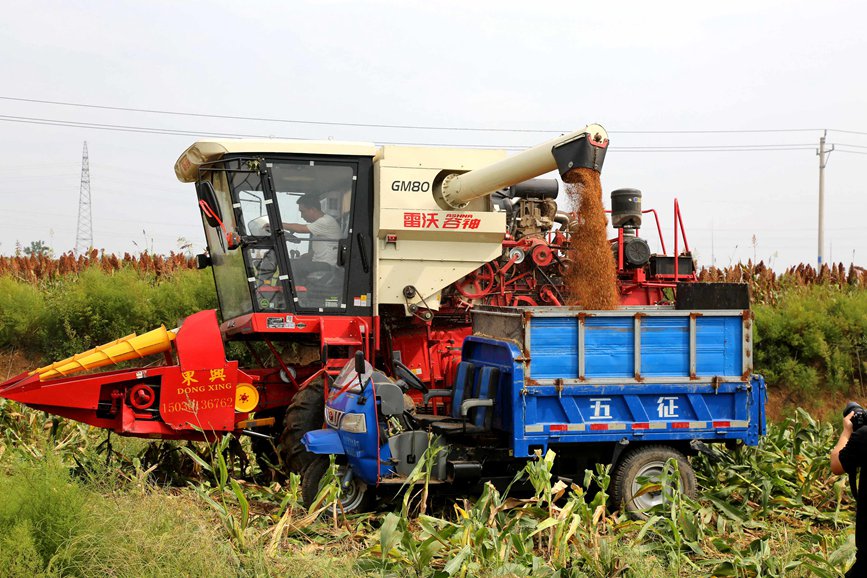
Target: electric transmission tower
(84,236)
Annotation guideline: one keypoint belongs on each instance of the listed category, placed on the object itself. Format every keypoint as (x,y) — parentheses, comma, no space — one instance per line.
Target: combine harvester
(417,238)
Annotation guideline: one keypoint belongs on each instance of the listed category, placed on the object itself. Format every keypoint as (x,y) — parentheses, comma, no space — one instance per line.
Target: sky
(698,98)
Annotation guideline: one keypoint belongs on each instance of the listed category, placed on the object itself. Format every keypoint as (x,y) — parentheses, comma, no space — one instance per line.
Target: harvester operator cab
(289,235)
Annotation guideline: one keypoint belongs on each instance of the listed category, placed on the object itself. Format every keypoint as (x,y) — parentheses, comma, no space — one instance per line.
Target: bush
(22,308)
(19,556)
(813,336)
(72,313)
(811,327)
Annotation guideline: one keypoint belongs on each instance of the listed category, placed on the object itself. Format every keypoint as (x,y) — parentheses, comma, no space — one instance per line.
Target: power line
(710,149)
(846,131)
(719,131)
(266,119)
(121,128)
(179,132)
(405,126)
(741,147)
(738,146)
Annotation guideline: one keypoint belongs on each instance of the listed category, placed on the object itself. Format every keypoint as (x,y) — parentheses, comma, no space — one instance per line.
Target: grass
(54,525)
(65,512)
(767,511)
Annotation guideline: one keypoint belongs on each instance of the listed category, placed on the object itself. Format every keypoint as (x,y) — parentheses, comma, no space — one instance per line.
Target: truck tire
(647,462)
(357,498)
(305,413)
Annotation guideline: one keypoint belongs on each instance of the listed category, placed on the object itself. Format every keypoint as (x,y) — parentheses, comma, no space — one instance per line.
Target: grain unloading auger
(411,235)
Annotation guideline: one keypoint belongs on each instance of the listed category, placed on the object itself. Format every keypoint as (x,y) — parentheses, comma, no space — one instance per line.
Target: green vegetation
(65,512)
(809,336)
(773,510)
(810,328)
(71,313)
(814,338)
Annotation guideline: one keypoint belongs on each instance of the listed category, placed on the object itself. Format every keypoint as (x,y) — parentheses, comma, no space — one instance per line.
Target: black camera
(859,414)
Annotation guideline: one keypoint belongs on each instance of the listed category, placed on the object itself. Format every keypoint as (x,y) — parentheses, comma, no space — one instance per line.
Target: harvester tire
(648,463)
(355,498)
(305,413)
(265,449)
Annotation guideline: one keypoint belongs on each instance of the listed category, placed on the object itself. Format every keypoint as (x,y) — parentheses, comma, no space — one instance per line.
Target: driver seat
(472,399)
(319,283)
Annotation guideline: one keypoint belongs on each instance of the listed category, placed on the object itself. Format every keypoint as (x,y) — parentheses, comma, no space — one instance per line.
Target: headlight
(353,423)
(332,417)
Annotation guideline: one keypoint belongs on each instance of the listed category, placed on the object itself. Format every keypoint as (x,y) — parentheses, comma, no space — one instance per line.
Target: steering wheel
(409,378)
(290,237)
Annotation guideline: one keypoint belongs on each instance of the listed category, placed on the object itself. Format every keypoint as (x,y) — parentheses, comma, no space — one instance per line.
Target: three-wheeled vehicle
(631,388)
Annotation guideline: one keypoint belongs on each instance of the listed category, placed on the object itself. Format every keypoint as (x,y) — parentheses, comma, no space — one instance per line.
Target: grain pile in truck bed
(591,280)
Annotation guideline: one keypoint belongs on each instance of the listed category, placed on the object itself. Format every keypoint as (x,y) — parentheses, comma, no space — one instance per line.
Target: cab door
(328,273)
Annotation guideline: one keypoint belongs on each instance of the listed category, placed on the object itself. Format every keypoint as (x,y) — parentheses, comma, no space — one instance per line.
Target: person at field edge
(849,456)
(324,233)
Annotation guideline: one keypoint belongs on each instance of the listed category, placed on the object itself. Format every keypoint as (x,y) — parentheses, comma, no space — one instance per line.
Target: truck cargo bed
(639,374)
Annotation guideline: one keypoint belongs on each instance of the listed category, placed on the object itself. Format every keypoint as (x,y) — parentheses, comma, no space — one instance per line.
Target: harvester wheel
(355,498)
(645,465)
(305,413)
(265,449)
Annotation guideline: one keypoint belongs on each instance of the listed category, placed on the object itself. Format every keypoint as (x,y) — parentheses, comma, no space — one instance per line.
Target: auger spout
(584,148)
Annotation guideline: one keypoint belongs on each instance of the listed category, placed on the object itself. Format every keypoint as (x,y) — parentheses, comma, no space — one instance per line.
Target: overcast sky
(550,67)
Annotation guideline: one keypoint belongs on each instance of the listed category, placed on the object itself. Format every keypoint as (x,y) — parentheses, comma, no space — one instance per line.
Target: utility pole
(823,162)
(712,251)
(84,235)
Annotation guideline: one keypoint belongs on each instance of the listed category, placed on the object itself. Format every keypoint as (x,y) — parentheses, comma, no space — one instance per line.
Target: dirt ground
(781,404)
(14,362)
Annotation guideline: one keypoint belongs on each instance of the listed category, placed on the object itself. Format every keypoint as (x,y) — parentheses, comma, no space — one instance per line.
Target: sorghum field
(69,507)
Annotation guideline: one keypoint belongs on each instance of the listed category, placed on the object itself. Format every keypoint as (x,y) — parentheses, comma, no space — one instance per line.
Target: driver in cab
(324,233)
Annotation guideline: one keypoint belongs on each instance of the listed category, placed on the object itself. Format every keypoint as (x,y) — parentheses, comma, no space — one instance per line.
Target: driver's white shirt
(325,227)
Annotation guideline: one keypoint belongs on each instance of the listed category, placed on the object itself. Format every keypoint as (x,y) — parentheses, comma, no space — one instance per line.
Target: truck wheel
(353,499)
(648,462)
(305,413)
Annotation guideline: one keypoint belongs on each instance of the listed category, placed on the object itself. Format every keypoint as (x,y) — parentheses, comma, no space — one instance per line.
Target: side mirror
(206,194)
(203,261)
(359,363)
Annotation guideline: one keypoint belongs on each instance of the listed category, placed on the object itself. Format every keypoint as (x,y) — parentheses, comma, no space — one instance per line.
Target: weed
(236,518)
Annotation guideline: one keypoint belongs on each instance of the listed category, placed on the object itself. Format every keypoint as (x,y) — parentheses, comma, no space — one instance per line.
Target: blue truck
(632,388)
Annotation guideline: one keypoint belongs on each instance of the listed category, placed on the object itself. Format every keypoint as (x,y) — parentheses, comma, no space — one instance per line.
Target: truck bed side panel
(569,376)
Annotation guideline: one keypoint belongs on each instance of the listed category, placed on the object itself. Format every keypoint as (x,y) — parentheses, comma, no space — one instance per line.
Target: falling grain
(591,279)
